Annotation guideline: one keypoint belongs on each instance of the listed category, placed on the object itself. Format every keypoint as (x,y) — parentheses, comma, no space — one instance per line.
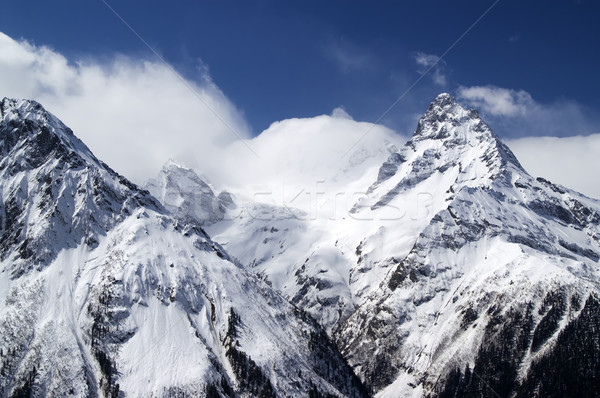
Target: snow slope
(288,226)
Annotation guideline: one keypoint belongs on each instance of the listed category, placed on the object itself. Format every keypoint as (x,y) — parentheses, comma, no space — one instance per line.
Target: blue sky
(276,60)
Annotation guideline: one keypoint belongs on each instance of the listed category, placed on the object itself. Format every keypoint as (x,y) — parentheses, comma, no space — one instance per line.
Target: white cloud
(430,63)
(133,114)
(315,164)
(555,141)
(498,101)
(569,161)
(426,59)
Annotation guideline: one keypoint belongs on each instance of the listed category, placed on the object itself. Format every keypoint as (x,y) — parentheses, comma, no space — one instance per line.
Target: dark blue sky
(281,59)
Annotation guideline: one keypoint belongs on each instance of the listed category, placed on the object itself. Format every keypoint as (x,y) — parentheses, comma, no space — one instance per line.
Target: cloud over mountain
(134,113)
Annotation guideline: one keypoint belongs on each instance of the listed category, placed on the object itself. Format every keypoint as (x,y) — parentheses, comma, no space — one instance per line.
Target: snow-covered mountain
(452,271)
(436,268)
(104,293)
(502,270)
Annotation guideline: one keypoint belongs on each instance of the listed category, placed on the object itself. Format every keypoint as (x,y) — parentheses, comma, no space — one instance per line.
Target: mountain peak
(453,127)
(445,117)
(186,195)
(36,135)
(445,106)
(8,105)
(444,99)
(56,193)
(451,141)
(22,109)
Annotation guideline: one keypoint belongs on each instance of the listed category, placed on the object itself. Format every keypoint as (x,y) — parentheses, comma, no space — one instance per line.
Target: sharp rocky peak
(36,135)
(54,193)
(447,119)
(451,128)
(453,141)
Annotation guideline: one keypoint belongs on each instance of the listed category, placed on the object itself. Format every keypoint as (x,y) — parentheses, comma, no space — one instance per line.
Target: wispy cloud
(341,113)
(426,61)
(555,141)
(347,56)
(498,101)
(135,115)
(515,113)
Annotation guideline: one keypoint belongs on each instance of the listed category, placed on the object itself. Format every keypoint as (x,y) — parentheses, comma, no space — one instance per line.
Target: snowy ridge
(55,192)
(330,264)
(25,117)
(449,141)
(289,215)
